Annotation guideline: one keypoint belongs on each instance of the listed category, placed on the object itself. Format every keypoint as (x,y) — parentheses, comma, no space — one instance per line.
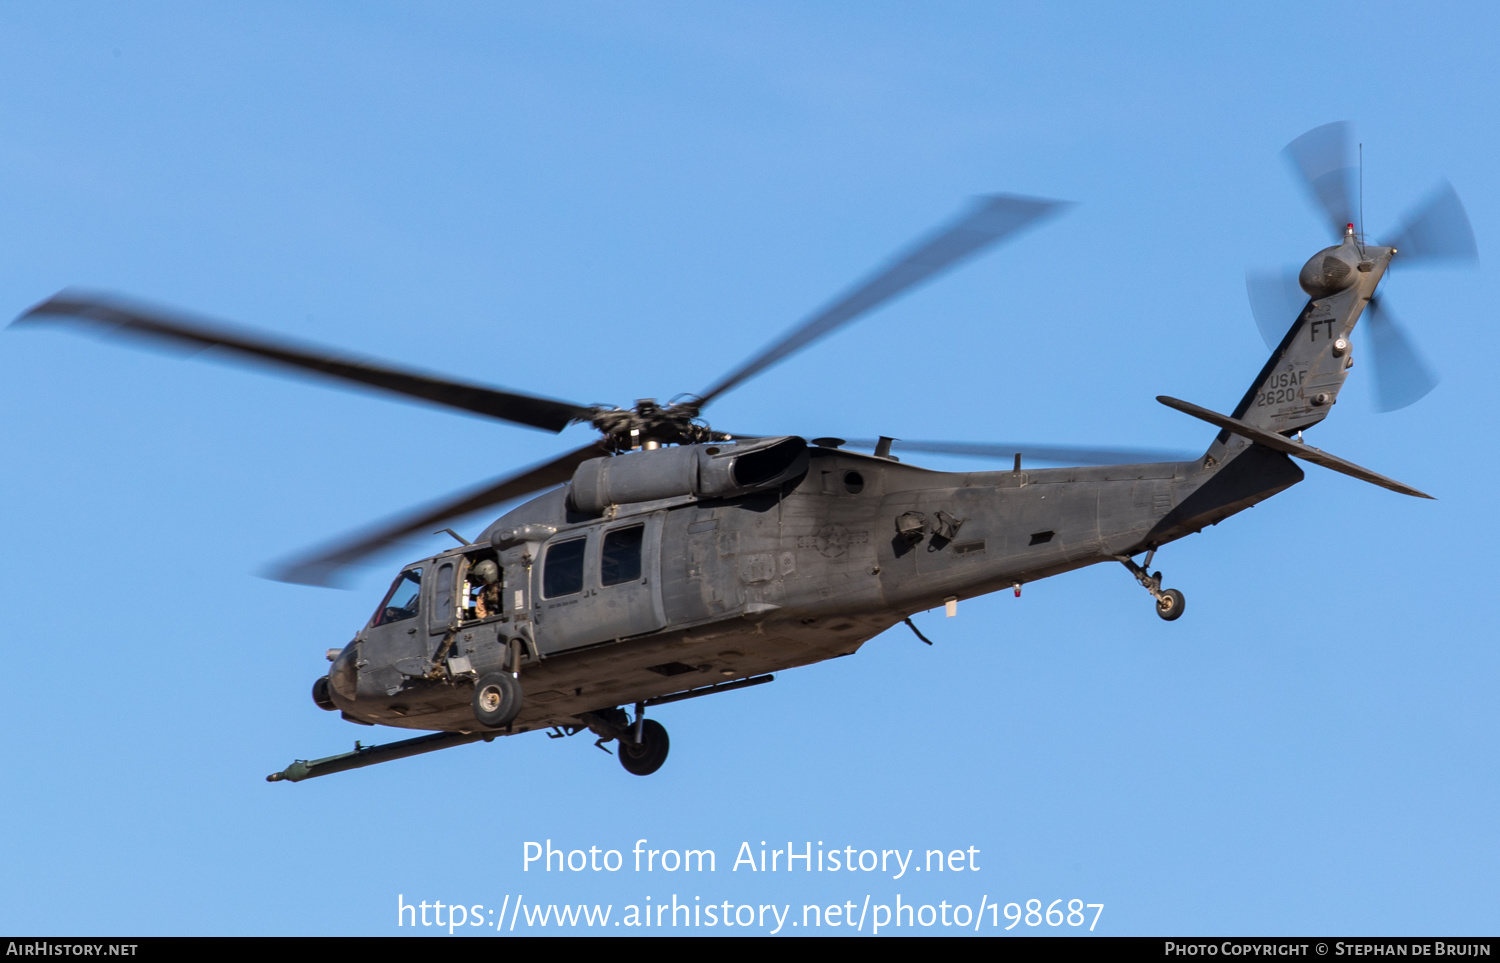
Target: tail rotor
(1434,233)
(1402,377)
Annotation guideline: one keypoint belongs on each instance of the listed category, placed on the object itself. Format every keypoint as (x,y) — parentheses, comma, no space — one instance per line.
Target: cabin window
(403,600)
(620,557)
(562,572)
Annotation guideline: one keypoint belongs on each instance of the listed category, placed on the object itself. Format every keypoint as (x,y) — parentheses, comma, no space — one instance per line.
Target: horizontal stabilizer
(1285,445)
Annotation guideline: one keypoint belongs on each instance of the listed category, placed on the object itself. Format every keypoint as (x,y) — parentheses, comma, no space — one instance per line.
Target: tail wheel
(1171,605)
(645,757)
(497,699)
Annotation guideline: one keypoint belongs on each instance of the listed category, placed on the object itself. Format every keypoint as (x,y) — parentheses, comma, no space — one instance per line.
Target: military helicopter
(669,560)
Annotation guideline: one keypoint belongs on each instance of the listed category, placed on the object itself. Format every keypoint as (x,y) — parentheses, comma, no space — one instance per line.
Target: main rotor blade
(325,565)
(161,326)
(1061,454)
(1321,160)
(1276,301)
(1438,230)
(1402,377)
(992,219)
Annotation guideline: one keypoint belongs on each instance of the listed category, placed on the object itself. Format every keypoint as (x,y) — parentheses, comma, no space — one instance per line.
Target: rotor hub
(649,424)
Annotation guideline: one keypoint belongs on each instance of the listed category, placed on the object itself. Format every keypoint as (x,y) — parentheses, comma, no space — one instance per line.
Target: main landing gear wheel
(497,699)
(1170,605)
(645,757)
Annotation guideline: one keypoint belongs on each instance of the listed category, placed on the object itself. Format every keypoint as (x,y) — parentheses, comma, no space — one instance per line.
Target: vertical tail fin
(1301,380)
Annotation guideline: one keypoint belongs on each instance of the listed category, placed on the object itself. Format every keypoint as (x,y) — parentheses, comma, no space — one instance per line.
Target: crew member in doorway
(484,587)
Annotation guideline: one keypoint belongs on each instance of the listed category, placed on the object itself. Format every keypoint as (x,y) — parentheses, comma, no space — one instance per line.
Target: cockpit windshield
(403,600)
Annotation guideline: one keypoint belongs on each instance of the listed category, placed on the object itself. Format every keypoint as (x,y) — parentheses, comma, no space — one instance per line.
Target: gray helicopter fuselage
(728,574)
(728,588)
(679,561)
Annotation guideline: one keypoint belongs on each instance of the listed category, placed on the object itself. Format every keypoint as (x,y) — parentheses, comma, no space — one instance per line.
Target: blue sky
(604,202)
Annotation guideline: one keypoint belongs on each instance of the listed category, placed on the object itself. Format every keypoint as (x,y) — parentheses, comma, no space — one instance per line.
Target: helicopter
(668,560)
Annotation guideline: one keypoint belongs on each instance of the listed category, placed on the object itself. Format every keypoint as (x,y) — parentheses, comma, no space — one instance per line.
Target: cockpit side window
(403,600)
(442,594)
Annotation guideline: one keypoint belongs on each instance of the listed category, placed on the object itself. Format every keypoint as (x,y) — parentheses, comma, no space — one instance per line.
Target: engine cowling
(715,470)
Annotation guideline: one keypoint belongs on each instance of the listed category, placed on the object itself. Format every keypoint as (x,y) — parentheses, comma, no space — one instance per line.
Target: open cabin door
(598,584)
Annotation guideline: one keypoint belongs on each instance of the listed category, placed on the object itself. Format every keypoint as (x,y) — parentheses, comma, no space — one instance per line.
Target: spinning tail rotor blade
(1060,454)
(325,565)
(992,219)
(1321,160)
(1401,376)
(1438,230)
(161,327)
(1276,301)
